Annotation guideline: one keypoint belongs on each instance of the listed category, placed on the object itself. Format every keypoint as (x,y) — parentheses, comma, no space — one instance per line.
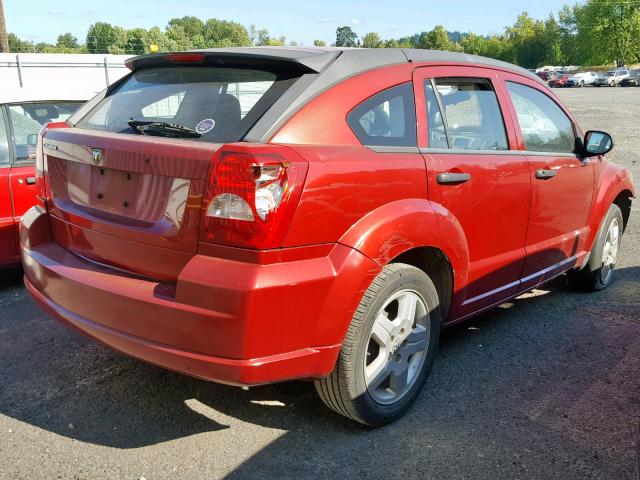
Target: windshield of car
(611,73)
(218,104)
(27,120)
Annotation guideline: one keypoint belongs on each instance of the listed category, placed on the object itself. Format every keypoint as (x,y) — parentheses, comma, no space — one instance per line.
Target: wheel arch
(435,263)
(420,233)
(623,201)
(614,187)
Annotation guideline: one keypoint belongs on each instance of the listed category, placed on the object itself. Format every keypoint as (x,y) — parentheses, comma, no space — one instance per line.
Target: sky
(300,21)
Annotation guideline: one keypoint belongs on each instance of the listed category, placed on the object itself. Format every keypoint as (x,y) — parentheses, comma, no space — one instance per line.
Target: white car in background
(582,79)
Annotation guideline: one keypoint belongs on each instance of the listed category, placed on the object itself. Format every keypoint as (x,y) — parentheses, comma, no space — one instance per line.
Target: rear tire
(388,350)
(597,274)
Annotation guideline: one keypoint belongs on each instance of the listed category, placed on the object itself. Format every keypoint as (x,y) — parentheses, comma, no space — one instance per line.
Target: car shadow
(507,375)
(10,277)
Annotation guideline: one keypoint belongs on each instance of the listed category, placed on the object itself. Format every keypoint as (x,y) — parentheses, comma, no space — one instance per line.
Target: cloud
(355,21)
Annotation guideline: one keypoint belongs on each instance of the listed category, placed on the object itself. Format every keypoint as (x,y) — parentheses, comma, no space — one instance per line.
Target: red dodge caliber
(257,215)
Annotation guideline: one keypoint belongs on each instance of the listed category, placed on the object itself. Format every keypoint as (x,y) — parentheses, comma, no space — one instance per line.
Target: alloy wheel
(610,251)
(397,347)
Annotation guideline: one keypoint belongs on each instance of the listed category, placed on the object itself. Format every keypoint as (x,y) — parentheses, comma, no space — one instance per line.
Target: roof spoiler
(302,61)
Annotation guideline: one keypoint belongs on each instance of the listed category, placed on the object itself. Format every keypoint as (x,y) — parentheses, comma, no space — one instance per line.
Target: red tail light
(252,196)
(41,182)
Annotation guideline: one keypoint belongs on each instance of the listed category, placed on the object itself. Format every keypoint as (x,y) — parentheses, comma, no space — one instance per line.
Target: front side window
(544,125)
(218,104)
(464,114)
(27,120)
(386,119)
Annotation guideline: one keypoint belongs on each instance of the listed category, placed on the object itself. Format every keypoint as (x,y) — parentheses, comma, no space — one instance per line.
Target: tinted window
(386,119)
(471,115)
(4,141)
(545,127)
(26,121)
(220,103)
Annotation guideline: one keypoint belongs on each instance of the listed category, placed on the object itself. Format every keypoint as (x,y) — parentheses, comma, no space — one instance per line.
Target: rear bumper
(232,321)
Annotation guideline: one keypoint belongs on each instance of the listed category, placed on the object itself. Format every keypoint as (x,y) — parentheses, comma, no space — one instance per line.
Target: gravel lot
(548,387)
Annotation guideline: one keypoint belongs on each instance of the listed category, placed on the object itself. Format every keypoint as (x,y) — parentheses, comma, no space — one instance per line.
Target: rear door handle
(452,178)
(546,174)
(31,180)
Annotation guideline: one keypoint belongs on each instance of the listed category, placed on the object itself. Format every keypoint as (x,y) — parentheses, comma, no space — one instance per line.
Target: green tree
(67,40)
(346,37)
(610,27)
(552,41)
(277,42)
(137,39)
(372,40)
(100,37)
(526,41)
(393,43)
(155,36)
(473,44)
(192,26)
(319,43)
(177,39)
(222,33)
(17,45)
(438,39)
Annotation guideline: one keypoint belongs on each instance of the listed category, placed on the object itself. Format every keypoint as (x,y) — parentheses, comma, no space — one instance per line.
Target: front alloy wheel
(597,274)
(610,251)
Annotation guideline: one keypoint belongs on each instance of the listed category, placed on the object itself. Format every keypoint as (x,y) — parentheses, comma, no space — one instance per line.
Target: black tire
(590,278)
(581,83)
(345,390)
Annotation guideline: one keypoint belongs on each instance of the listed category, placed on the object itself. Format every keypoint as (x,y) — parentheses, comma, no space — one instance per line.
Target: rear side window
(220,104)
(545,127)
(386,119)
(464,114)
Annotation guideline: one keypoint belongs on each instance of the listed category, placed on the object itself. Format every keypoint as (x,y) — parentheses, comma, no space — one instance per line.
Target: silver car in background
(612,78)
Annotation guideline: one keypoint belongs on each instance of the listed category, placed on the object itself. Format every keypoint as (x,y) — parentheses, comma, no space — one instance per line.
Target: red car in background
(22,114)
(559,81)
(257,215)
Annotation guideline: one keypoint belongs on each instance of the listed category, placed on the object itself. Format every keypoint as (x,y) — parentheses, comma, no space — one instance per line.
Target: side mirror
(596,143)
(32,139)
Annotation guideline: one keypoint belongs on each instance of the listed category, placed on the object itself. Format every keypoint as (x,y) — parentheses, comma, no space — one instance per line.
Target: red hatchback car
(257,215)
(22,114)
(559,81)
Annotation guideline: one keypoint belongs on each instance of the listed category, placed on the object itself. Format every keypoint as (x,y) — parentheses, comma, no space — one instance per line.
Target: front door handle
(31,180)
(546,174)
(452,178)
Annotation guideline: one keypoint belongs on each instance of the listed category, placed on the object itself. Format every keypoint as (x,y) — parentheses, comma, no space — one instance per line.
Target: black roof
(317,59)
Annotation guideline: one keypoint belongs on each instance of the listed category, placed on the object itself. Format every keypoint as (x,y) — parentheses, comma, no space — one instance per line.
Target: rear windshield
(215,104)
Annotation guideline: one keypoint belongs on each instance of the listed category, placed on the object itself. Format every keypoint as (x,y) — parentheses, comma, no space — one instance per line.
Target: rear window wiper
(162,129)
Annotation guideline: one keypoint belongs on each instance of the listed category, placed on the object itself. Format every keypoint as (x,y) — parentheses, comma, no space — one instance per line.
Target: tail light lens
(41,182)
(252,196)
